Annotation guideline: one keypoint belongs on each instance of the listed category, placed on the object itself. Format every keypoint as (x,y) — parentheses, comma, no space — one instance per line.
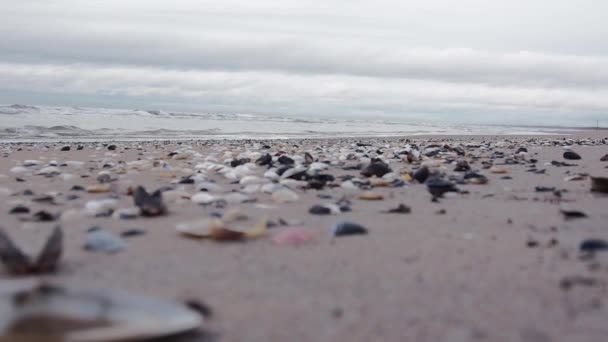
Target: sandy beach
(495,260)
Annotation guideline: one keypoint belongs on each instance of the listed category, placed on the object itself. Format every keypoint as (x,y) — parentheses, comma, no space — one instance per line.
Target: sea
(20,122)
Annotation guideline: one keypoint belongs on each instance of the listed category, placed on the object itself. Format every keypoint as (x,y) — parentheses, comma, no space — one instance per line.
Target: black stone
(593,245)
(348,228)
(422,174)
(376,168)
(571,155)
(319,210)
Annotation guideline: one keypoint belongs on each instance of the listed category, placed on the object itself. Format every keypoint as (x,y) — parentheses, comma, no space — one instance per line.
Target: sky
(476,61)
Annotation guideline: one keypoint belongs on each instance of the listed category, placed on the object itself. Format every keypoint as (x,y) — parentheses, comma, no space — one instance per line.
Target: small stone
(422,174)
(400,209)
(99,240)
(319,210)
(19,209)
(438,186)
(77,188)
(462,166)
(348,228)
(65,148)
(571,155)
(572,214)
(111,147)
(48,171)
(104,178)
(604,158)
(133,232)
(599,184)
(376,168)
(593,245)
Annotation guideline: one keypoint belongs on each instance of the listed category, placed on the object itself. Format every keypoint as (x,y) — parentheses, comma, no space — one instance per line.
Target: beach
(497,257)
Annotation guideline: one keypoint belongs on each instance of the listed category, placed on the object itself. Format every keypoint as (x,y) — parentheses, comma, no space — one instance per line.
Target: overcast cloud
(471,61)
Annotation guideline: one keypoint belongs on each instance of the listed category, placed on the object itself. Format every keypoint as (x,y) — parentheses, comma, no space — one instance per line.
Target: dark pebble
(401,209)
(133,232)
(319,210)
(65,148)
(376,168)
(422,174)
(20,209)
(348,228)
(593,245)
(572,214)
(571,155)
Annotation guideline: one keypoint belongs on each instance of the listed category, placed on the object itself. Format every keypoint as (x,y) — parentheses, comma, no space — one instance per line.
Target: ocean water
(45,123)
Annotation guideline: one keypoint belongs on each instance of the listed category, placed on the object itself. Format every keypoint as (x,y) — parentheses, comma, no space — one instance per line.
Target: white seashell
(293,184)
(252,188)
(293,171)
(284,196)
(236,197)
(30,162)
(248,180)
(317,167)
(272,175)
(93,208)
(203,198)
(48,171)
(200,228)
(75,164)
(270,187)
(19,169)
(349,185)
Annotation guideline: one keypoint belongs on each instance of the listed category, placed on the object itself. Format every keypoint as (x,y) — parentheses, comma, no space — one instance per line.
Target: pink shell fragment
(293,237)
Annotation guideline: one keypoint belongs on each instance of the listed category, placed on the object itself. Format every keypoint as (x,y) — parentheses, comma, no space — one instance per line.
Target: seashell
(271,175)
(19,169)
(577,177)
(252,188)
(33,310)
(203,198)
(599,184)
(316,167)
(499,169)
(348,185)
(98,188)
(270,188)
(462,166)
(348,228)
(236,198)
(150,205)
(371,196)
(200,228)
(127,213)
(18,263)
(30,162)
(234,214)
(380,182)
(98,208)
(293,184)
(99,240)
(284,195)
(249,180)
(295,236)
(48,171)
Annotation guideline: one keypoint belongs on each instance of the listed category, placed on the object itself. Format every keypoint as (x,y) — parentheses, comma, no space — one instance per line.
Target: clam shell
(34,311)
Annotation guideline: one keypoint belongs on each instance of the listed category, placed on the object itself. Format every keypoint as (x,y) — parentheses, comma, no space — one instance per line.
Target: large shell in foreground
(34,311)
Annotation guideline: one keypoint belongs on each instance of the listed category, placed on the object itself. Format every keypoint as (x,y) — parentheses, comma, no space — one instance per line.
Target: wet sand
(496,266)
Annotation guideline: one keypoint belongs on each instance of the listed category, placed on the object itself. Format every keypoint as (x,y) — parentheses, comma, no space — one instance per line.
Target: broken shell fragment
(150,205)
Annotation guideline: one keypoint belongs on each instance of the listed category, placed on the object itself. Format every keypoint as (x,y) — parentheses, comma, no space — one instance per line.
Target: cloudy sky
(521,61)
